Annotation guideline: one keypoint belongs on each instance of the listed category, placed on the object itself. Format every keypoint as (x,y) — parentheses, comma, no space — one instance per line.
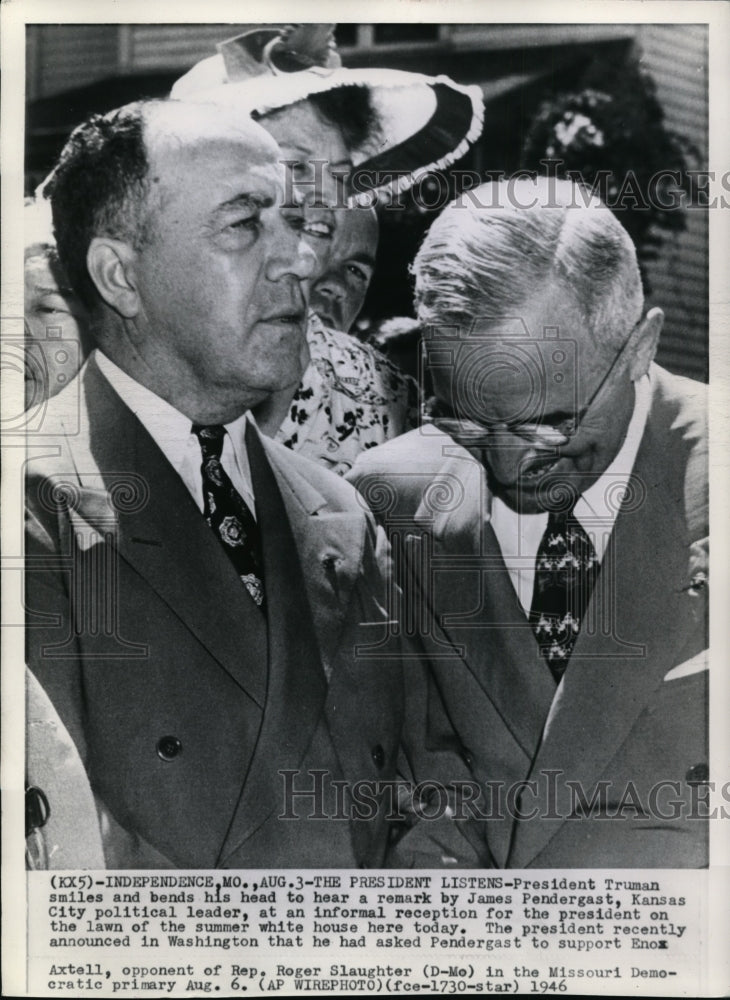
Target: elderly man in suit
(198,597)
(552,519)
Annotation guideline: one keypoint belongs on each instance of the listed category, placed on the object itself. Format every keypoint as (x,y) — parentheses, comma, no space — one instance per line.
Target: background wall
(73,70)
(676,57)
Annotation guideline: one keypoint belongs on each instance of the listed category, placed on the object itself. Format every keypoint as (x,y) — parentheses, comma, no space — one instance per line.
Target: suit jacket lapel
(157,528)
(161,533)
(296,681)
(311,562)
(493,634)
(330,546)
(614,670)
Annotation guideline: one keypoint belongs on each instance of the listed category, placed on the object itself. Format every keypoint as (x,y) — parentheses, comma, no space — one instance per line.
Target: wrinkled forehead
(551,314)
(201,160)
(540,356)
(516,372)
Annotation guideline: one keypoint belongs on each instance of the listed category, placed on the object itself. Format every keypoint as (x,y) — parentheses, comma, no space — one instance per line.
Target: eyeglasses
(556,435)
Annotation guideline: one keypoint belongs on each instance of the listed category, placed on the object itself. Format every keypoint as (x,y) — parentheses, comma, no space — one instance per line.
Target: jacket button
(168,748)
(698,773)
(467,757)
(378,756)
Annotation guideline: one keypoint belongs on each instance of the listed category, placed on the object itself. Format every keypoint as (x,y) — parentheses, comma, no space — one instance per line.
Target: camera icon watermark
(499,381)
(46,364)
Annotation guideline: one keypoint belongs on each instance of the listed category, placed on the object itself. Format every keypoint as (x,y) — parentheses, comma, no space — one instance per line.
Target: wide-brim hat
(425,123)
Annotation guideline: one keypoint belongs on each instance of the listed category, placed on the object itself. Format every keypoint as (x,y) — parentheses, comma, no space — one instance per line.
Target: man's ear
(111,266)
(647,340)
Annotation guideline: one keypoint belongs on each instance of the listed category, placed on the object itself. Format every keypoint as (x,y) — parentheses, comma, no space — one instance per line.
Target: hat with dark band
(425,123)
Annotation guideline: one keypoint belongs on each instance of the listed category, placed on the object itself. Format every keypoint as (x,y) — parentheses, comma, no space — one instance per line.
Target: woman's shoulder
(358,370)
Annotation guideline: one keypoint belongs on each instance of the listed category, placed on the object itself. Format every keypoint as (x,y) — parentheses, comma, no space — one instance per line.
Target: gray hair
(492,248)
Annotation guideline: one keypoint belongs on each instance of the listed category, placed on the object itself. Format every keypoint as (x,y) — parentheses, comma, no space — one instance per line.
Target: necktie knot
(211,439)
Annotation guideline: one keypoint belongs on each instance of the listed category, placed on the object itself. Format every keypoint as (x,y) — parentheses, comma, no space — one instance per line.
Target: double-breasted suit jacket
(197,717)
(610,769)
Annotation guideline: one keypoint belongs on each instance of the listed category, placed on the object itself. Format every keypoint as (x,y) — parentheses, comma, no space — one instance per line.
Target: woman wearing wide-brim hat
(347,134)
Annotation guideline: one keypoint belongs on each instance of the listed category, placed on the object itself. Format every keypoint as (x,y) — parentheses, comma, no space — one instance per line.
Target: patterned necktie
(228,515)
(566,568)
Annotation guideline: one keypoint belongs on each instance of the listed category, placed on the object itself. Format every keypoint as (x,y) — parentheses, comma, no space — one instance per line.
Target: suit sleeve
(52,649)
(437,829)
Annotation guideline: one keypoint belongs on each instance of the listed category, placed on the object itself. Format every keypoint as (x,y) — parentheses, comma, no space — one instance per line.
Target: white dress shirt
(172,433)
(519,535)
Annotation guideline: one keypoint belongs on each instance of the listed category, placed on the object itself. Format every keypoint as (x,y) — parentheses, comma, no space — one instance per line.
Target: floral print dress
(351,398)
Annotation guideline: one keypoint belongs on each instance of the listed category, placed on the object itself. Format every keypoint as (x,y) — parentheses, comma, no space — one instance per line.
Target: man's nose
(306,260)
(330,288)
(509,455)
(293,256)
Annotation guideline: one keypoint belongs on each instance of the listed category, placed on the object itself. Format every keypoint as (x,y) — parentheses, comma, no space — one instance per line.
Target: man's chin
(549,493)
(521,501)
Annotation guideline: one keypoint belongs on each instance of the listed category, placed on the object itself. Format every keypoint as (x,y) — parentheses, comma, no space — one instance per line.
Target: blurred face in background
(338,296)
(55,326)
(321,162)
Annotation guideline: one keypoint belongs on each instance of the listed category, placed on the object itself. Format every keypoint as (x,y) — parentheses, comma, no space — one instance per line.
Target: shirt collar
(170,429)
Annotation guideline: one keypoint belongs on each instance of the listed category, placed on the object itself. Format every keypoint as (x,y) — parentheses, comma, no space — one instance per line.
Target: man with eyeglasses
(550,523)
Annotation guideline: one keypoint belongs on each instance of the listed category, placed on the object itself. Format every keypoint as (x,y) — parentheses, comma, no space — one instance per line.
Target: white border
(715,978)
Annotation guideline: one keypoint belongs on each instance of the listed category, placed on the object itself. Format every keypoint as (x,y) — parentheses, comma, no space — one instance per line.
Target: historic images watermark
(317,794)
(667,190)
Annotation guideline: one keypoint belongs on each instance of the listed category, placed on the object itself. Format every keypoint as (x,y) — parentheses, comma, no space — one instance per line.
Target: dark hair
(98,188)
(349,108)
